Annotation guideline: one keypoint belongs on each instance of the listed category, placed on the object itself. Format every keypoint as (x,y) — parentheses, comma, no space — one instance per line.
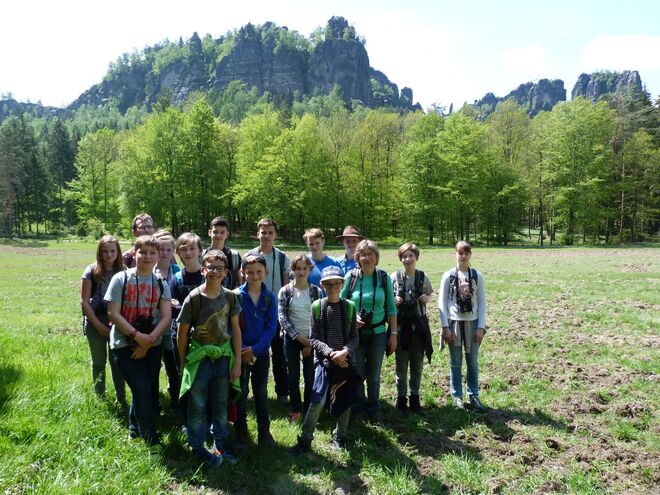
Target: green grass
(569,367)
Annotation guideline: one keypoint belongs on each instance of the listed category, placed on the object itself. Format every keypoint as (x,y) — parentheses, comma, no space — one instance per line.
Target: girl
(412,291)
(371,290)
(140,309)
(463,317)
(294,302)
(96,326)
(166,269)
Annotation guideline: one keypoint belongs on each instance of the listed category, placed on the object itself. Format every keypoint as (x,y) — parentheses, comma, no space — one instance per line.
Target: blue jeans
(293,350)
(141,375)
(211,382)
(312,419)
(98,349)
(456,362)
(258,375)
(369,355)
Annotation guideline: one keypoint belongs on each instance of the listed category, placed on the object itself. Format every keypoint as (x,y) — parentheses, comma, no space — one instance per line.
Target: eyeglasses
(143,228)
(213,268)
(332,285)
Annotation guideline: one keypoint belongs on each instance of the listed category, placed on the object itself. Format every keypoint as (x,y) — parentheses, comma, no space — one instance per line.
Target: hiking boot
(265,439)
(339,443)
(415,406)
(402,404)
(208,458)
(302,447)
(476,404)
(242,435)
(458,402)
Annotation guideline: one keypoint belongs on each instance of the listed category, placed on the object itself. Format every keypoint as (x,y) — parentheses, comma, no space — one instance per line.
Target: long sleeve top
(259,321)
(449,307)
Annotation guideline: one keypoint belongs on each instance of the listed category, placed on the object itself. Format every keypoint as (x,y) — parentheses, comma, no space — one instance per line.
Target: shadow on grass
(9,375)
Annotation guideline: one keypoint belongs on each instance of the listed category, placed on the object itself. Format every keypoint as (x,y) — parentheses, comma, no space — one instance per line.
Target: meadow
(569,370)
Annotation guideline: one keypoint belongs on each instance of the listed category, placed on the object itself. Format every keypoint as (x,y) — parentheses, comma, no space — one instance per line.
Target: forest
(584,172)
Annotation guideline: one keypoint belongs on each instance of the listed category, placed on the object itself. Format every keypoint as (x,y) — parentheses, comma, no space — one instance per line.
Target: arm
(398,300)
(236,343)
(391,314)
(270,326)
(182,344)
(443,304)
(481,308)
(85,296)
(123,326)
(283,315)
(427,288)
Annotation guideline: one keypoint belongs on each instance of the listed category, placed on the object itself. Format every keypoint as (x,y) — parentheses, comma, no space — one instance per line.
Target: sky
(446,51)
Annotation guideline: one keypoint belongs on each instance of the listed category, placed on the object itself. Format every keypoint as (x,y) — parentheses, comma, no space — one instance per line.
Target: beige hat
(350,231)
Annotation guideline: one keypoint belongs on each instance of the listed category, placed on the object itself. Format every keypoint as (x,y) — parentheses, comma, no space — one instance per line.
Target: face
(315,245)
(254,273)
(408,259)
(108,254)
(332,286)
(463,256)
(350,243)
(146,257)
(218,233)
(267,235)
(188,252)
(165,251)
(214,269)
(144,227)
(301,271)
(367,258)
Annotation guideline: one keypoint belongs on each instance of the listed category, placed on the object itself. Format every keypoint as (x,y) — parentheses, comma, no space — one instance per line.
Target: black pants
(280,373)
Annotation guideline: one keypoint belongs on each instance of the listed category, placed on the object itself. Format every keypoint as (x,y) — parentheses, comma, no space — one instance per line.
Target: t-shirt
(191,280)
(299,310)
(378,302)
(314,277)
(99,289)
(141,298)
(336,336)
(212,326)
(409,294)
(345,264)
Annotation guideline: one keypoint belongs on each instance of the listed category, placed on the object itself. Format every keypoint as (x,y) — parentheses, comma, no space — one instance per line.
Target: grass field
(569,368)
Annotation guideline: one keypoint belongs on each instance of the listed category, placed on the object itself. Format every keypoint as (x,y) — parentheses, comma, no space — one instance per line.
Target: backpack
(453,281)
(418,285)
(314,292)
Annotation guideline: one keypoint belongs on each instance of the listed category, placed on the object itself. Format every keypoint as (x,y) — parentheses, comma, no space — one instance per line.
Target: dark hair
(139,217)
(301,258)
(264,222)
(215,255)
(219,222)
(147,241)
(188,238)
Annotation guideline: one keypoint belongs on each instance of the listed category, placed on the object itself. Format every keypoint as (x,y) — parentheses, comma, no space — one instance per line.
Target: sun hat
(350,231)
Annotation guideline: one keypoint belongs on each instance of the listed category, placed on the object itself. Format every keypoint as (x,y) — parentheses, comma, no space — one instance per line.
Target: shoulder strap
(419,282)
(400,282)
(315,292)
(281,258)
(384,277)
(352,280)
(316,309)
(123,290)
(195,305)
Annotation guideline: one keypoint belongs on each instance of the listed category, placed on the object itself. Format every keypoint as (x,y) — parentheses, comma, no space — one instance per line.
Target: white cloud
(525,63)
(626,52)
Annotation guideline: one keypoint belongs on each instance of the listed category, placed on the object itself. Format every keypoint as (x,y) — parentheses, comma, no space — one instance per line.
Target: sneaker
(458,402)
(156,452)
(294,417)
(401,404)
(415,405)
(476,404)
(302,447)
(339,443)
(265,439)
(226,455)
(242,436)
(208,458)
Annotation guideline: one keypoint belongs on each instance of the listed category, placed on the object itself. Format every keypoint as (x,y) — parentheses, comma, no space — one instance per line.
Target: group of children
(215,323)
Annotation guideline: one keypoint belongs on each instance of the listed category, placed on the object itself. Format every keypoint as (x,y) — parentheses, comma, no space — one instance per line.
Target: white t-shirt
(299,311)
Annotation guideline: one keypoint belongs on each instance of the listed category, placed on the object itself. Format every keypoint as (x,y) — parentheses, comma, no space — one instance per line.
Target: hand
(424,298)
(103,331)
(176,303)
(358,322)
(144,340)
(398,300)
(339,358)
(139,352)
(479,336)
(306,351)
(447,335)
(247,355)
(235,371)
(391,345)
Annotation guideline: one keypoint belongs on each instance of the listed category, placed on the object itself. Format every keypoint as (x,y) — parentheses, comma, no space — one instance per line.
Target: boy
(315,240)
(258,324)
(139,308)
(278,266)
(350,239)
(412,291)
(219,232)
(213,358)
(142,224)
(334,337)
(463,317)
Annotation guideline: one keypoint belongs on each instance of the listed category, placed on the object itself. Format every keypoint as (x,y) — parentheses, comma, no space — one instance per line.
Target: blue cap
(330,272)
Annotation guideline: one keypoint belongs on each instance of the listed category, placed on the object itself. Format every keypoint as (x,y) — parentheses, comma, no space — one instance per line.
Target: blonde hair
(408,246)
(463,247)
(313,234)
(364,245)
(117,266)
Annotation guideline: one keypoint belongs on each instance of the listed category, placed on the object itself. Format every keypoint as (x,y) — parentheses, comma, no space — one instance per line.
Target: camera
(408,308)
(464,304)
(144,324)
(366,317)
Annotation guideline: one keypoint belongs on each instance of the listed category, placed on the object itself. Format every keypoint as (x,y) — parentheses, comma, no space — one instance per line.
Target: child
(96,325)
(294,302)
(213,358)
(315,240)
(140,310)
(142,224)
(219,232)
(258,323)
(412,291)
(334,337)
(463,317)
(350,239)
(278,266)
(167,270)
